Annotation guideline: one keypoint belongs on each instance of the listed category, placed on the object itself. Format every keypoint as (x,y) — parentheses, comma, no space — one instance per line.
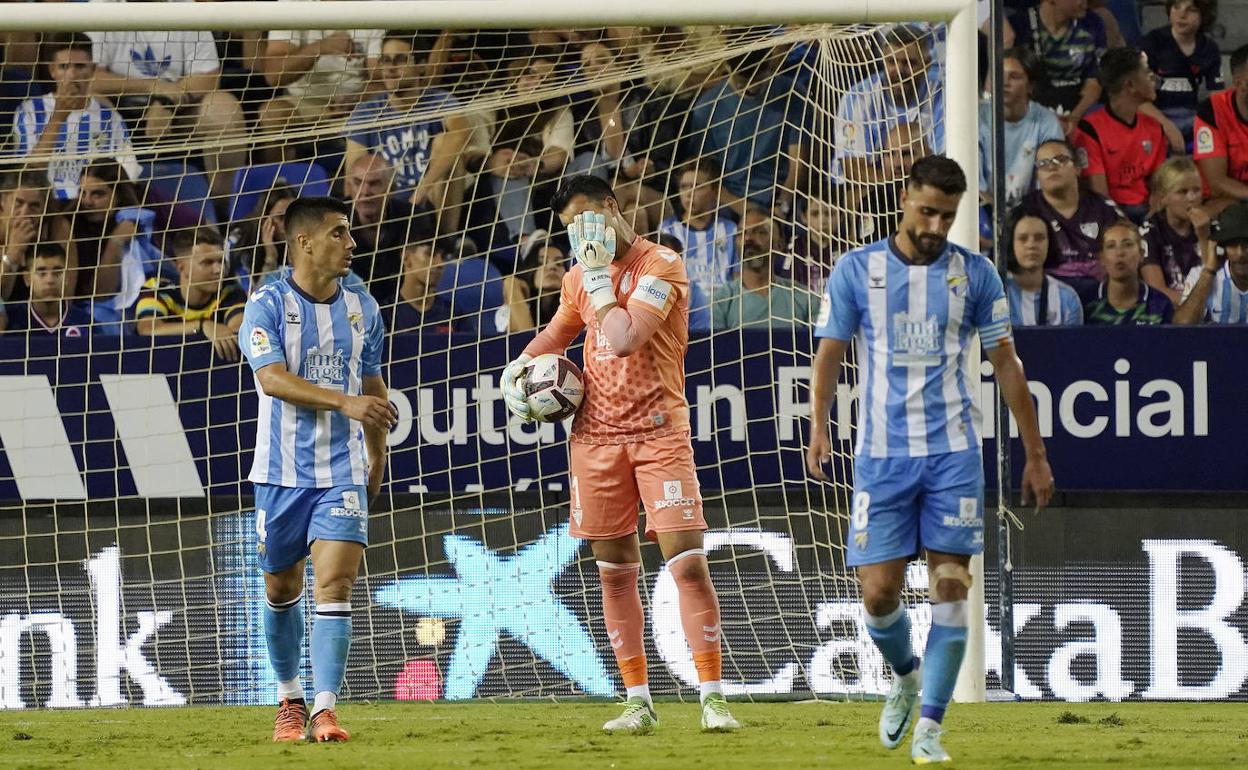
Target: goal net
(128,537)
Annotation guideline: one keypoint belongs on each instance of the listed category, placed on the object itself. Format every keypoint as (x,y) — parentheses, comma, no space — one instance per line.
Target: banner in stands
(1109,604)
(106,417)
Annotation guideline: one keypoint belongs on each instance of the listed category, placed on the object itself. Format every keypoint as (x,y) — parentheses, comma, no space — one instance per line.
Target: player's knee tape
(946,571)
(685,554)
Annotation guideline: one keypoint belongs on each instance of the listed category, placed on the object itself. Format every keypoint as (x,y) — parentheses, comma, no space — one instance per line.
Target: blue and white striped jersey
(711,260)
(95,130)
(913,328)
(1226,303)
(1062,306)
(333,344)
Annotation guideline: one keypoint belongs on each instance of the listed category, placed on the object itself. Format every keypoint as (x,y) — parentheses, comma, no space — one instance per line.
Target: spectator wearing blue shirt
(1028,124)
(418,306)
(749,126)
(756,298)
(1035,298)
(422,134)
(708,234)
(1216,291)
(903,91)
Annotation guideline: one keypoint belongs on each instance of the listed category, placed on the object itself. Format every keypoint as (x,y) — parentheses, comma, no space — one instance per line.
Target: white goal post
(961,84)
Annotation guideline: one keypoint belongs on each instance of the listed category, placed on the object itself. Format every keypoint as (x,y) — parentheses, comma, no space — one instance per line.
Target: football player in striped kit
(315,346)
(914,304)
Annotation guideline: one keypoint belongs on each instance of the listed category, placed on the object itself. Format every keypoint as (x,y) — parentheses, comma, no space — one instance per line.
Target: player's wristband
(597,284)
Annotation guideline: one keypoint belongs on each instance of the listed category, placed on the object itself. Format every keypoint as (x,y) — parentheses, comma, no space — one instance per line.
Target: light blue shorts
(289,519)
(905,505)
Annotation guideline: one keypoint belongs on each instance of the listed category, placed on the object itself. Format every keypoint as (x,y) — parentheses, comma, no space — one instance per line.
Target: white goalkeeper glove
(513,390)
(593,243)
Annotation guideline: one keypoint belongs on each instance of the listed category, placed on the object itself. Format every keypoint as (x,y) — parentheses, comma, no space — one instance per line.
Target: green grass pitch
(551,736)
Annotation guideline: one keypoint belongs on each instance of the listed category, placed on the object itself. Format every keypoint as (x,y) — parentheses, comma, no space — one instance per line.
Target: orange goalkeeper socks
(621,610)
(699,615)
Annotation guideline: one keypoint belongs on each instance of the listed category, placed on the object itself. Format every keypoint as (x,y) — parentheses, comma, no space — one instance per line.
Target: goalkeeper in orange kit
(630,441)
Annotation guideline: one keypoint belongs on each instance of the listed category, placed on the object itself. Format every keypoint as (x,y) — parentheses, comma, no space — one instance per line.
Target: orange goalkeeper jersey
(640,396)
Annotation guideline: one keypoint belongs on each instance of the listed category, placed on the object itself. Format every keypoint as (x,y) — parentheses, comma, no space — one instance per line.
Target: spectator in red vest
(1120,146)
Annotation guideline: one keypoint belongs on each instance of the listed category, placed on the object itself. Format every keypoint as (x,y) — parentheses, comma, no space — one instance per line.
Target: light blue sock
(331,641)
(283,633)
(891,634)
(946,644)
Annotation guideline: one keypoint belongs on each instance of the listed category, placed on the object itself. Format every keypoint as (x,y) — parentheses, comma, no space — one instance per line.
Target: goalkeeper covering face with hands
(630,441)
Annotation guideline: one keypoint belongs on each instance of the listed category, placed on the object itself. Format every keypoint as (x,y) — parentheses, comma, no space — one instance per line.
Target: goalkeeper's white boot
(926,748)
(715,716)
(638,717)
(899,708)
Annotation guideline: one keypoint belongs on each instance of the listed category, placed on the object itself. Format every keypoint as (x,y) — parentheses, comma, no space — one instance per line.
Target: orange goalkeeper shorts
(609,481)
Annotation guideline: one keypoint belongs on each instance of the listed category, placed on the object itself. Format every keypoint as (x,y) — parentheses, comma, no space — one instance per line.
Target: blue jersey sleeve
(370,361)
(990,310)
(1072,308)
(260,336)
(840,315)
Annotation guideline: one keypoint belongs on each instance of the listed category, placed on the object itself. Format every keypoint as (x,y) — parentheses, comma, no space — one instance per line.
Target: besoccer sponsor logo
(968,514)
(673,497)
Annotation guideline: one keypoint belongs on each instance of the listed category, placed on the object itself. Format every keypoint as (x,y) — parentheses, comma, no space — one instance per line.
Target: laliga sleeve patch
(260,343)
(1204,139)
(653,291)
(1000,309)
(825,313)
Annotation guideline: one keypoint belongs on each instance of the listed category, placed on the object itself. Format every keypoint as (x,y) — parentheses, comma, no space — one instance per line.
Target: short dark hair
(55,42)
(706,166)
(29,179)
(48,250)
(1027,59)
(899,35)
(304,214)
(669,241)
(597,190)
(1016,215)
(183,242)
(435,245)
(421,41)
(1238,58)
(1117,67)
(940,172)
(1208,10)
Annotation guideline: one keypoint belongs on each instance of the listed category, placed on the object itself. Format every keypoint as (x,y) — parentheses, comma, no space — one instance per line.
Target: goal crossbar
(463,14)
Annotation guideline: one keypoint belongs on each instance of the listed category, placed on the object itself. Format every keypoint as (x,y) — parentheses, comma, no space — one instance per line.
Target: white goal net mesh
(145,177)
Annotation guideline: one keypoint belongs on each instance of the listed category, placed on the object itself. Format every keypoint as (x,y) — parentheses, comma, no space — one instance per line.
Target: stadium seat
(474,286)
(182,187)
(251,182)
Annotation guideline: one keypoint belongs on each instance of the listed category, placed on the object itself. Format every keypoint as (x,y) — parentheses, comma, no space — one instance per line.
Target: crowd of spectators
(1126,167)
(1126,182)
